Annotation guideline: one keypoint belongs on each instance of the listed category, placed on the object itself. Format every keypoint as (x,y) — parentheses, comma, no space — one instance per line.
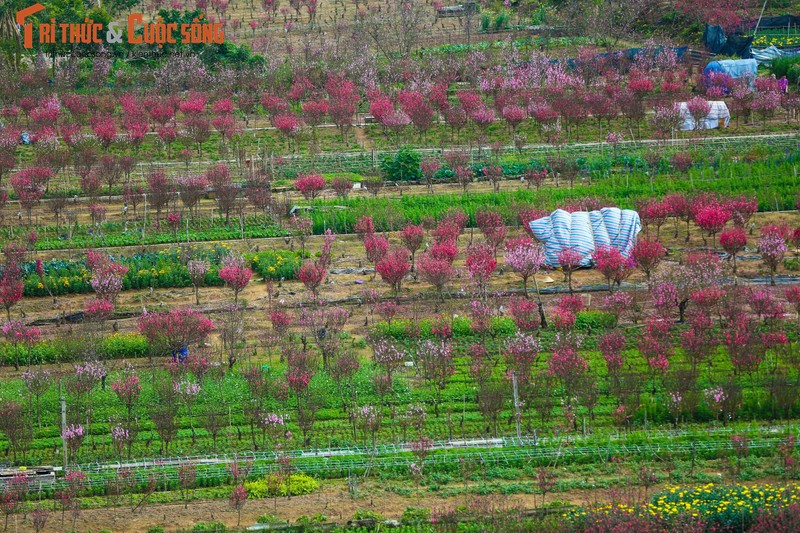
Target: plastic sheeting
(586,232)
(719,111)
(735,68)
(764,56)
(779,22)
(729,45)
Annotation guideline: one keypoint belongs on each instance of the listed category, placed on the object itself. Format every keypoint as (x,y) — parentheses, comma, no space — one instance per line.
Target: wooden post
(63,429)
(516,404)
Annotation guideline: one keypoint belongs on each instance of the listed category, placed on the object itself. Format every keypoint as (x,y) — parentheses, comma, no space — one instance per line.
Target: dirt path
(332,501)
(363,141)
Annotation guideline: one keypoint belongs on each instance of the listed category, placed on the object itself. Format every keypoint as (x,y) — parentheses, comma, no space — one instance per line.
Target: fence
(369,161)
(505,451)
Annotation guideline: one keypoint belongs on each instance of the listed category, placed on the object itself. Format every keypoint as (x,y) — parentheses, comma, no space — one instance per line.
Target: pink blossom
(235,274)
(480,265)
(524,257)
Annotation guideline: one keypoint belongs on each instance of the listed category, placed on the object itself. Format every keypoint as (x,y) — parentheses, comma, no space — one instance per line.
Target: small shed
(719,112)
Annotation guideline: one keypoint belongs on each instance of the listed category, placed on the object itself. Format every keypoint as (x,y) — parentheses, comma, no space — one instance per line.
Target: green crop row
(774,185)
(63,350)
(116,234)
(160,270)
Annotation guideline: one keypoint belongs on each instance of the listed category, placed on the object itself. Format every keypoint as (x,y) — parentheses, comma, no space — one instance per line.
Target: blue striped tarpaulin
(586,232)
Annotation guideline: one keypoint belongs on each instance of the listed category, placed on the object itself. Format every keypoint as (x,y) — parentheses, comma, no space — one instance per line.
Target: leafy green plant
(268,519)
(116,346)
(210,527)
(404,166)
(367,514)
(501,21)
(592,320)
(275,264)
(294,485)
(160,270)
(462,327)
(413,516)
(318,518)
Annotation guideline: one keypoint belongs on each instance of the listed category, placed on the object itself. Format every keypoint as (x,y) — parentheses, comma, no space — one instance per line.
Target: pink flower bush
(525,258)
(107,280)
(613,265)
(311,274)
(566,363)
(198,268)
(611,345)
(127,387)
(412,238)
(656,344)
(444,251)
(647,255)
(434,271)
(480,265)
(618,303)
(310,185)
(175,329)
(393,267)
(520,353)
(98,310)
(235,274)
(772,247)
(525,313)
(376,246)
(73,435)
(569,259)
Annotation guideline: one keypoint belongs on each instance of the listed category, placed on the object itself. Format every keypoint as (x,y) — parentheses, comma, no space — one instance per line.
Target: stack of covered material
(586,232)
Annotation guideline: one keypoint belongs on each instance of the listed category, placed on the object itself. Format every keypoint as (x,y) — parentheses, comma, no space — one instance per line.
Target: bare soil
(416,298)
(332,501)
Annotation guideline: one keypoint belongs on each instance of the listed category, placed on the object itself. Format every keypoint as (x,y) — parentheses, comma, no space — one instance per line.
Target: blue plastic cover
(586,232)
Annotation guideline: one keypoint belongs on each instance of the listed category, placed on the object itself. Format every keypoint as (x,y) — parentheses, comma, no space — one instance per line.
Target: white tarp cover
(764,56)
(586,232)
(719,111)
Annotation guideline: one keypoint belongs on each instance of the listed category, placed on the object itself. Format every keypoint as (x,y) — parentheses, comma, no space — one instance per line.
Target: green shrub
(788,66)
(275,264)
(593,320)
(160,270)
(402,167)
(294,485)
(125,346)
(501,21)
(309,520)
(367,514)
(210,527)
(414,516)
(503,326)
(268,519)
(116,346)
(462,327)
(299,484)
(791,264)
(157,529)
(396,329)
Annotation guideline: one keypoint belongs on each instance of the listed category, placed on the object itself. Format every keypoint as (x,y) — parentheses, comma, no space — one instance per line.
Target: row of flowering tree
(745,330)
(536,96)
(509,92)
